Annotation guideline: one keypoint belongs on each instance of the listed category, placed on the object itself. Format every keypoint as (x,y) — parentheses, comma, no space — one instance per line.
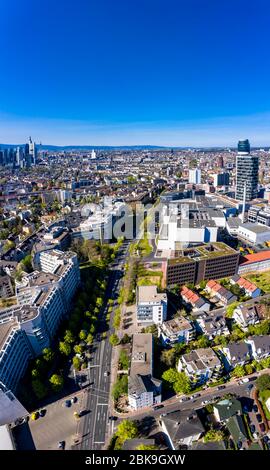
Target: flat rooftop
(5,330)
(207,251)
(150,294)
(142,352)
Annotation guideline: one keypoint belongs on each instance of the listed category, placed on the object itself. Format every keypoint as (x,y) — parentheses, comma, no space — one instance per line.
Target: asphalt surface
(95,423)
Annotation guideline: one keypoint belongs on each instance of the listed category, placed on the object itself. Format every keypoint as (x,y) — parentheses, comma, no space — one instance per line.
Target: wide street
(94,425)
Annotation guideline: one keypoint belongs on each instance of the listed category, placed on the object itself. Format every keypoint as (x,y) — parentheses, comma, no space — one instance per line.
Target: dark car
(252,428)
(61,445)
(255,408)
(42,412)
(157,407)
(259,418)
(112,418)
(74,400)
(221,387)
(67,403)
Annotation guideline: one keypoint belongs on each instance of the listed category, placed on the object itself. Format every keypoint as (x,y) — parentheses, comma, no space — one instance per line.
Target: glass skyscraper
(247,170)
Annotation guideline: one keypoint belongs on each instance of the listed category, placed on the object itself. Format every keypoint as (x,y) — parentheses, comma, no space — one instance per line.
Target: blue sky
(119,72)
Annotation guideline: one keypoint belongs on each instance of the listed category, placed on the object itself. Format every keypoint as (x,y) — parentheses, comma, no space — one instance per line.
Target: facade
(250,289)
(257,215)
(247,169)
(143,389)
(178,330)
(151,306)
(217,290)
(255,262)
(221,179)
(213,260)
(10,408)
(259,346)
(200,365)
(244,316)
(194,176)
(254,233)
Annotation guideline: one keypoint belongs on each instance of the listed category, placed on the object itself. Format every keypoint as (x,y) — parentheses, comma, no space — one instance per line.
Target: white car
(205,402)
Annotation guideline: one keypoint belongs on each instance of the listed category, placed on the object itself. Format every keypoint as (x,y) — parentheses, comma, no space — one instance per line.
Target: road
(94,424)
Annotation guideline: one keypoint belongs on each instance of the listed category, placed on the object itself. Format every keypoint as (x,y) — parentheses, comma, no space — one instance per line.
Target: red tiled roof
(255,258)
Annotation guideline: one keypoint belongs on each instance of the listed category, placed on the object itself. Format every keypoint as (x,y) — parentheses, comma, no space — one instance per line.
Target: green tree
(127,429)
(114,340)
(146,447)
(170,375)
(239,371)
(76,363)
(39,389)
(64,348)
(214,435)
(48,355)
(248,369)
(82,335)
(35,374)
(123,360)
(182,384)
(168,357)
(263,382)
(69,337)
(120,387)
(126,339)
(57,382)
(90,339)
(78,349)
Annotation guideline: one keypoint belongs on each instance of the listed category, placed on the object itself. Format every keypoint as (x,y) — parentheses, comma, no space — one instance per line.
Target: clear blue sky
(165,72)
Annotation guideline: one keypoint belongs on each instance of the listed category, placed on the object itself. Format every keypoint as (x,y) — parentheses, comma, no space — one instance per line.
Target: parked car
(255,408)
(42,412)
(221,387)
(157,407)
(67,403)
(74,400)
(259,417)
(205,402)
(184,399)
(262,427)
(35,415)
(252,428)
(106,373)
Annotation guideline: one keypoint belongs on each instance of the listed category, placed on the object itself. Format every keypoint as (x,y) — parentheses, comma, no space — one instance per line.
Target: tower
(247,169)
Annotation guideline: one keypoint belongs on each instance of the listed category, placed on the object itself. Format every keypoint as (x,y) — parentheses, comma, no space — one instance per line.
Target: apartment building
(200,365)
(259,346)
(220,292)
(235,354)
(212,324)
(143,389)
(192,299)
(246,315)
(151,306)
(177,330)
(250,289)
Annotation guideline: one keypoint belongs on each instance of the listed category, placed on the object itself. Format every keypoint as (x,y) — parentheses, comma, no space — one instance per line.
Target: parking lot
(58,424)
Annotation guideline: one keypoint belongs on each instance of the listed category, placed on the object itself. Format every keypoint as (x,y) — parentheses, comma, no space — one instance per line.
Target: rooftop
(150,294)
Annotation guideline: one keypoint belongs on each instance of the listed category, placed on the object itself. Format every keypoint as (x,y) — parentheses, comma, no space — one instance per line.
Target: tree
(39,389)
(35,373)
(64,348)
(263,382)
(203,342)
(127,430)
(76,363)
(170,375)
(69,337)
(78,349)
(168,357)
(126,339)
(99,302)
(120,387)
(239,371)
(27,263)
(82,335)
(214,435)
(182,384)
(48,355)
(114,340)
(249,369)
(89,339)
(57,382)
(123,360)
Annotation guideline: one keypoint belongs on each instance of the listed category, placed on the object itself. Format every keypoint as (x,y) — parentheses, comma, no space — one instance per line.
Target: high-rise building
(222,179)
(220,161)
(247,169)
(195,176)
(32,151)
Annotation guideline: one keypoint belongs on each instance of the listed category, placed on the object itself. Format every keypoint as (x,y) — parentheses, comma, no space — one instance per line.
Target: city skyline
(97,74)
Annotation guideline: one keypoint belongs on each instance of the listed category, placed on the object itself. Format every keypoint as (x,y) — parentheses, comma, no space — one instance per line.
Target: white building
(143,389)
(151,306)
(254,233)
(177,330)
(194,176)
(200,365)
(259,346)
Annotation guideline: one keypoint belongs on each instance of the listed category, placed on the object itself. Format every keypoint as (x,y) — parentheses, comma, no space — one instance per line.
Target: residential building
(259,346)
(177,330)
(151,305)
(192,299)
(182,428)
(226,408)
(237,429)
(143,389)
(246,315)
(212,324)
(6,288)
(220,292)
(200,365)
(250,289)
(259,215)
(213,260)
(235,354)
(247,169)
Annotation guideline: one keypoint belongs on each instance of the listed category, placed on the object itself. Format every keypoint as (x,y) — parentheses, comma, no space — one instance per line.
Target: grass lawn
(143,246)
(263,397)
(262,280)
(149,281)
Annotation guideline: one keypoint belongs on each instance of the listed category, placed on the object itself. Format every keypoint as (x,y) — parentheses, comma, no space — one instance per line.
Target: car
(112,418)
(67,403)
(259,417)
(35,415)
(221,387)
(74,400)
(244,381)
(255,435)
(252,428)
(163,414)
(184,399)
(266,438)
(106,373)
(157,407)
(196,395)
(217,397)
(76,414)
(255,408)
(205,402)
(61,445)
(42,412)
(262,427)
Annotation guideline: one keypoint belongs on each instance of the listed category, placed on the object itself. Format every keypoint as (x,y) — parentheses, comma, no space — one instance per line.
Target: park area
(262,280)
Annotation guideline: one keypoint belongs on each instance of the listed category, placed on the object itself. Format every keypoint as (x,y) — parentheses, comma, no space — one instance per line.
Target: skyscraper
(195,176)
(247,168)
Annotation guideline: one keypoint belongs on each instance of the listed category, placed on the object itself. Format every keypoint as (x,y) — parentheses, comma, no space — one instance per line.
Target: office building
(143,389)
(194,176)
(151,306)
(221,179)
(247,170)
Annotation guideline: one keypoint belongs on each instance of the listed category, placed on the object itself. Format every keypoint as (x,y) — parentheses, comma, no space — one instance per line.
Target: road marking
(102,404)
(99,442)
